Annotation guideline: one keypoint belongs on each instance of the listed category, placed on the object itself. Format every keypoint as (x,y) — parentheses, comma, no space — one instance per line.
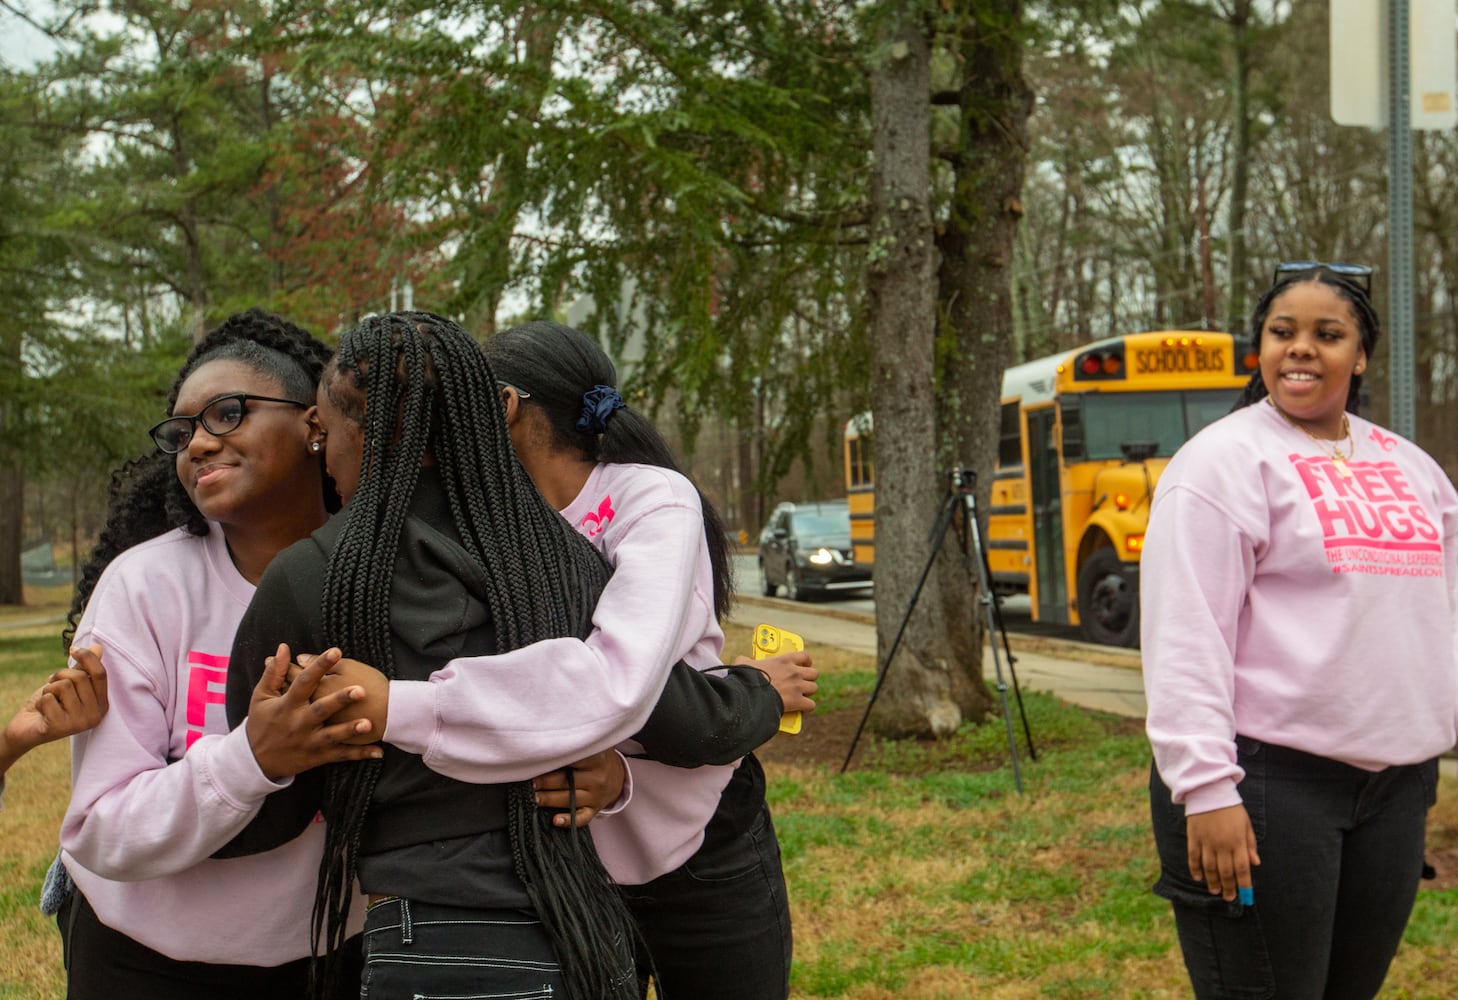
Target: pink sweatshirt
(161,784)
(1286,603)
(499,718)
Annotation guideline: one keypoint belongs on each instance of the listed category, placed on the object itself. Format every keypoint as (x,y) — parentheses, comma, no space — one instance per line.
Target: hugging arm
(705,718)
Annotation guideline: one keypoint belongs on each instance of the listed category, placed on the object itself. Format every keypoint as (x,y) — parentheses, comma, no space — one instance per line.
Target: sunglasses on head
(1357,275)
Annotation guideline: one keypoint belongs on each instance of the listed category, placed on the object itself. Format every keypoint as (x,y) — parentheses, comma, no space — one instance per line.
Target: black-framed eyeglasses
(1359,275)
(221,416)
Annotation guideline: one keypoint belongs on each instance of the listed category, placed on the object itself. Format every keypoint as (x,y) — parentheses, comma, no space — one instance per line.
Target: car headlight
(823,557)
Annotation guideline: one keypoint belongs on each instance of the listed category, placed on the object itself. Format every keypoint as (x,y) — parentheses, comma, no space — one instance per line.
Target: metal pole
(1401,366)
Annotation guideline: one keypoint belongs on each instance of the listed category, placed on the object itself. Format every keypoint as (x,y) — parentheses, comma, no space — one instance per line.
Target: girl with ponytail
(696,852)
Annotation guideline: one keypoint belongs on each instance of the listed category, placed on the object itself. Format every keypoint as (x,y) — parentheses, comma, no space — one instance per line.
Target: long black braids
(426,389)
(558,366)
(1369,327)
(146,497)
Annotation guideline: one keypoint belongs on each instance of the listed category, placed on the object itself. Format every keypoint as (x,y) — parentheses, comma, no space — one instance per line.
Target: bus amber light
(1112,364)
(1251,361)
(1121,501)
(1134,543)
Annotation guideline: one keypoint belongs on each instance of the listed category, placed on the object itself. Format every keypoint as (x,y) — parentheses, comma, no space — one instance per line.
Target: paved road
(747,580)
(1096,677)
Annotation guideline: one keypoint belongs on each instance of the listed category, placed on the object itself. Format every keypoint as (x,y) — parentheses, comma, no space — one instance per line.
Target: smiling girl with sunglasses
(1298,585)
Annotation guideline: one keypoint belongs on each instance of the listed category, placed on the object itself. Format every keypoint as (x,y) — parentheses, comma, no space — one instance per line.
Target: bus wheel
(1108,607)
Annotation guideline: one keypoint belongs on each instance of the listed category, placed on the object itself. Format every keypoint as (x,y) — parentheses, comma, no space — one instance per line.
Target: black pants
(718,927)
(415,949)
(1341,855)
(105,964)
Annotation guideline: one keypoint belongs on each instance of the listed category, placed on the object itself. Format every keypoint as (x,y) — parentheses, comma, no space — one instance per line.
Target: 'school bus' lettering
(1170,360)
(1084,438)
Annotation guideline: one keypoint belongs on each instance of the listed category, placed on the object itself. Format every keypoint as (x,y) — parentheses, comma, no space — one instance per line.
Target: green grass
(923,873)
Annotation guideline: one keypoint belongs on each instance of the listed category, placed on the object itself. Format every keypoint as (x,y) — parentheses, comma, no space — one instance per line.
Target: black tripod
(960,497)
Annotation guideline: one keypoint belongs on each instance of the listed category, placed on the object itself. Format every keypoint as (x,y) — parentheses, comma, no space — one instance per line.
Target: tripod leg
(972,543)
(1012,742)
(1027,732)
(939,532)
(1001,631)
(1011,660)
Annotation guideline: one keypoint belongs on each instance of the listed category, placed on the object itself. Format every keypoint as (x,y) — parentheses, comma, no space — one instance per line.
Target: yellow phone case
(768,641)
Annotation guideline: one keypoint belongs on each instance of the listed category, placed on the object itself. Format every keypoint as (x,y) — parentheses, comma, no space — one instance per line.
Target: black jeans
(1341,855)
(105,964)
(718,927)
(424,950)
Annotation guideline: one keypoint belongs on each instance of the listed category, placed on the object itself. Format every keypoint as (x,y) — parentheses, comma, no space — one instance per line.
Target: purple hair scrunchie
(598,403)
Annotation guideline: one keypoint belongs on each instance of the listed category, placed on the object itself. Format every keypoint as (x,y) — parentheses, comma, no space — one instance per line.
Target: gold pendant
(1341,467)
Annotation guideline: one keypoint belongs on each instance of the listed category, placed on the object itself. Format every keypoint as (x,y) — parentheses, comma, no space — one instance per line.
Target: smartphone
(768,641)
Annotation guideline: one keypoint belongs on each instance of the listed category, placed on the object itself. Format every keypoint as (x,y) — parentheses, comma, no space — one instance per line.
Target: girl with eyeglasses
(161,784)
(1299,583)
(469,721)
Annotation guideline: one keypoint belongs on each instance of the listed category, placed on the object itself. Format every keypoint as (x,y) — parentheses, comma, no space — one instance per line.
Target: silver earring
(314,447)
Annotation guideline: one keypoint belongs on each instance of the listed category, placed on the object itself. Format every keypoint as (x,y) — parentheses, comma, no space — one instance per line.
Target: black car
(807,548)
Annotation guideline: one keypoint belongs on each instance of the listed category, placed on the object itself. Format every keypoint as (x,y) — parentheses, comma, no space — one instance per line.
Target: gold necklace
(1337,456)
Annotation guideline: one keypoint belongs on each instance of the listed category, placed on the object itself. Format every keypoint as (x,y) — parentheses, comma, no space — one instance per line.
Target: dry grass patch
(36,792)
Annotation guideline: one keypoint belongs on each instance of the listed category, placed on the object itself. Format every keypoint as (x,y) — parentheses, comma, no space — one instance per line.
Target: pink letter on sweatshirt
(207,684)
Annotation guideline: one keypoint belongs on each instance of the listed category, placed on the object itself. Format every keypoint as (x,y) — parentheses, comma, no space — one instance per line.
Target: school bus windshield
(1170,418)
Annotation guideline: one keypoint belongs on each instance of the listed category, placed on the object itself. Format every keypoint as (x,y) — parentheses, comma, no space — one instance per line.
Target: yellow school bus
(1084,437)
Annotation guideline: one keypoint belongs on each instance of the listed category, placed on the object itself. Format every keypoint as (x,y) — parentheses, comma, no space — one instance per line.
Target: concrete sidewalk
(1098,677)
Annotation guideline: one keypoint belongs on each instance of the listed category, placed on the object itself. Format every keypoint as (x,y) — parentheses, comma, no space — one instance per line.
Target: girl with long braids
(444,548)
(1299,586)
(161,783)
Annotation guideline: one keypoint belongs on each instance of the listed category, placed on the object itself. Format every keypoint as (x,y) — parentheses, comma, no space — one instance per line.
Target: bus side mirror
(1139,451)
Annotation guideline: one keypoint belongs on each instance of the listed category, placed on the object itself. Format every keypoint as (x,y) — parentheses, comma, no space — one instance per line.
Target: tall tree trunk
(1238,16)
(490,253)
(1207,264)
(919,697)
(975,292)
(188,223)
(12,503)
(12,479)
